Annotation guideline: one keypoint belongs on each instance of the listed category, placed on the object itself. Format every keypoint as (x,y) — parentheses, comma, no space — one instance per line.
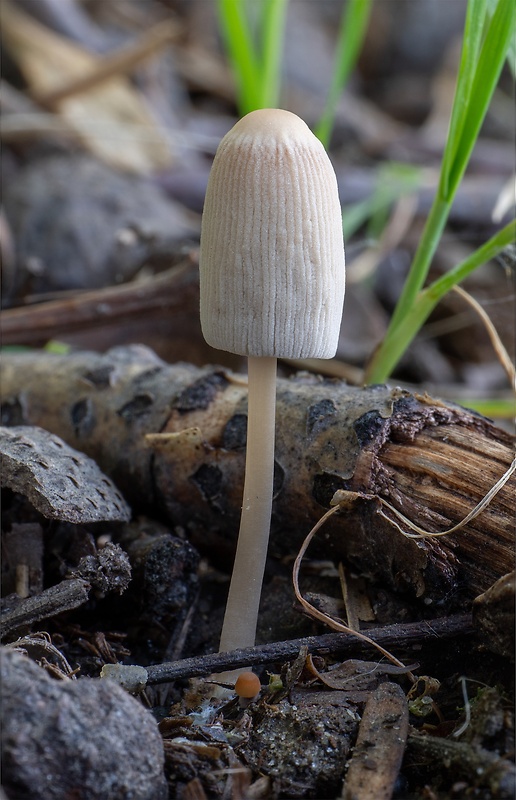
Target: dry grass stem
(499,348)
(420,533)
(118,63)
(319,615)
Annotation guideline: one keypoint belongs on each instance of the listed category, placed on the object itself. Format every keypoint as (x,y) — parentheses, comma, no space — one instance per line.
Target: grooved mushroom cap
(272,252)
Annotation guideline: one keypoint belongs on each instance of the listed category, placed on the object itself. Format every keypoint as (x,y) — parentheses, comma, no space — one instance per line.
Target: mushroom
(247,688)
(272,285)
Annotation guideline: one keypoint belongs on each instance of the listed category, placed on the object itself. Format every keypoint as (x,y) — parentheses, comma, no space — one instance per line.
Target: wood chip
(380,746)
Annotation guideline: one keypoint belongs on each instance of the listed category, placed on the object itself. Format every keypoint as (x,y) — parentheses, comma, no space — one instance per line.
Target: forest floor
(124,438)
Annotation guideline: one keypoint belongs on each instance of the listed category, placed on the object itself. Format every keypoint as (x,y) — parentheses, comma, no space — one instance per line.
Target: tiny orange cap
(247,685)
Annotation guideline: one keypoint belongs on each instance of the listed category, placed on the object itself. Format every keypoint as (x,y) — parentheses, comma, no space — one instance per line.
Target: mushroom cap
(272,268)
(247,685)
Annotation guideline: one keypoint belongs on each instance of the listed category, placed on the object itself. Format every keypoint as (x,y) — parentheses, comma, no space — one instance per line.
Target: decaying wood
(167,295)
(380,745)
(66,595)
(481,768)
(493,613)
(173,439)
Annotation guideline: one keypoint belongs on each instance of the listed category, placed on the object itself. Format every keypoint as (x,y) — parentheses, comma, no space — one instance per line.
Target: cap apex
(273,122)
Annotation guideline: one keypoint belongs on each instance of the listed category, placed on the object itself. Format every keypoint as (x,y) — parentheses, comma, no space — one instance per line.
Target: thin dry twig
(402,634)
(499,348)
(67,595)
(118,63)
(314,612)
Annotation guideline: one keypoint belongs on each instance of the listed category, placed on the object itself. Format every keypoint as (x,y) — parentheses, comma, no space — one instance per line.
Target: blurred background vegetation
(111,114)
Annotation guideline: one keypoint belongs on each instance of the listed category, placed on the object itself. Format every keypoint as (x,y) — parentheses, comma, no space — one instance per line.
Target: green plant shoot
(485,47)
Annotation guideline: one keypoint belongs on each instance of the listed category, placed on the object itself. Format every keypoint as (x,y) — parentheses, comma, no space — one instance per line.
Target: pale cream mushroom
(272,285)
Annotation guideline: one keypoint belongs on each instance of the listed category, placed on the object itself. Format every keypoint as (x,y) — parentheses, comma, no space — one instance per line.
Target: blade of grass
(492,56)
(241,53)
(494,408)
(394,180)
(502,239)
(461,140)
(353,26)
(272,31)
(473,28)
(475,86)
(428,298)
(511,55)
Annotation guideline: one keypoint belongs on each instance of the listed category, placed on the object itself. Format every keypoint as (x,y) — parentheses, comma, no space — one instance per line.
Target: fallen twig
(431,461)
(404,635)
(66,595)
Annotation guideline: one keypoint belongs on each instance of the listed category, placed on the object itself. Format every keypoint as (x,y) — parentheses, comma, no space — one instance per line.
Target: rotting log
(432,461)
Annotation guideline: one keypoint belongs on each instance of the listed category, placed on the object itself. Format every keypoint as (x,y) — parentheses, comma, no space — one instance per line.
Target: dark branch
(398,635)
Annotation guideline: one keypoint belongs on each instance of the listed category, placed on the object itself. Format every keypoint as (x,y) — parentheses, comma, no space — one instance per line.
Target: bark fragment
(61,483)
(380,745)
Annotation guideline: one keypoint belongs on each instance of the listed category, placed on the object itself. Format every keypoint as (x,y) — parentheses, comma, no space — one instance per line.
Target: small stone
(130,677)
(75,738)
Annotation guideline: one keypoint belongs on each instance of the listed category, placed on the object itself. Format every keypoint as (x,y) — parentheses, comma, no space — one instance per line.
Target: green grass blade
(241,53)
(491,58)
(472,38)
(430,238)
(494,408)
(511,55)
(502,239)
(272,34)
(473,94)
(352,30)
(386,359)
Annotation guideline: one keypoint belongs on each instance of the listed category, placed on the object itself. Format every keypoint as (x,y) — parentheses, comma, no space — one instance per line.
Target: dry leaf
(111,118)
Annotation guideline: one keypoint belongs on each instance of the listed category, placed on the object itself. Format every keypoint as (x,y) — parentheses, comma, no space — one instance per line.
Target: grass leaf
(241,53)
(481,64)
(427,299)
(272,32)
(353,26)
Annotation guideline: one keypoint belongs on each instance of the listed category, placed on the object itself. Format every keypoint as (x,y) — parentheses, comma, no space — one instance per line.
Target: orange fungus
(247,685)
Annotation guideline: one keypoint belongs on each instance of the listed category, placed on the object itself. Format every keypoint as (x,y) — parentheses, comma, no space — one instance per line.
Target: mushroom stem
(240,620)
